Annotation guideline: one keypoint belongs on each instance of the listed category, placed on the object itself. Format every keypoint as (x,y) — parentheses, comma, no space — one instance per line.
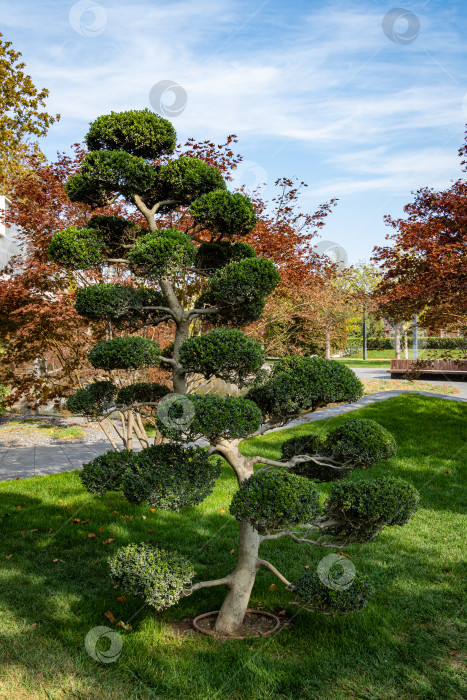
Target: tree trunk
(327,340)
(179,376)
(406,345)
(236,601)
(397,340)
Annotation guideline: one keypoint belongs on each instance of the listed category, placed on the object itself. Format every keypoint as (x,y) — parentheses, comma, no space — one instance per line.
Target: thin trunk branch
(268,565)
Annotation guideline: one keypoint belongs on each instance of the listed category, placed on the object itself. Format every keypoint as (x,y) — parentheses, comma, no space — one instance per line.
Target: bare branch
(268,565)
(209,584)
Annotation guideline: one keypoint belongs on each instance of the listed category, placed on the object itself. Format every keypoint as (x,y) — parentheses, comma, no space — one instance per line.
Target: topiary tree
(198,270)
(130,159)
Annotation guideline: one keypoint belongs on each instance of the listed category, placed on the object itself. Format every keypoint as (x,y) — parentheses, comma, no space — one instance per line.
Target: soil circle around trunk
(256,623)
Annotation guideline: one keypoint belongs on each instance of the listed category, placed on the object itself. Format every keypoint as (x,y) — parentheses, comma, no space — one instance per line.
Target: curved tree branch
(268,565)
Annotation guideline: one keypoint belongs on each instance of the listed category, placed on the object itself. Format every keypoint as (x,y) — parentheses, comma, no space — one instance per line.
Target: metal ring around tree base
(220,636)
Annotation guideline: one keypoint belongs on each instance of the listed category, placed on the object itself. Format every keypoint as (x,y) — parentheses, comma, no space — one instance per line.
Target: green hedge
(430,343)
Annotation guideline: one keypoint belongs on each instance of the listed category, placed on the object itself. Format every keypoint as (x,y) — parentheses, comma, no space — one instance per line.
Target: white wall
(8,236)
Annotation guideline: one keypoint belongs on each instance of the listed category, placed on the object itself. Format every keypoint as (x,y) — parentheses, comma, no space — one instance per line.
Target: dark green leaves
(77,248)
(124,353)
(362,508)
(161,253)
(225,353)
(239,289)
(121,304)
(93,400)
(271,500)
(139,132)
(224,213)
(332,599)
(157,576)
(300,383)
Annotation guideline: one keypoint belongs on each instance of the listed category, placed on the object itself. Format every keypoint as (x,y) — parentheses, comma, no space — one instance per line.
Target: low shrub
(274,500)
(315,596)
(149,572)
(105,472)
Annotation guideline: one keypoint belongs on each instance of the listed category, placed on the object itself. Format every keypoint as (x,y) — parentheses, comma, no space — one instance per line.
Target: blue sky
(316,90)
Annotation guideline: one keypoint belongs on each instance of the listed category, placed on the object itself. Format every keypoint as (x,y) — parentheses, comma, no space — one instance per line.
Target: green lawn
(408,642)
(361,364)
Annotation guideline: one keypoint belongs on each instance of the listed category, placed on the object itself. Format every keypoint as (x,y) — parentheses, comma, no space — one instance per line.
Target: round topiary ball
(157,576)
(105,472)
(226,213)
(360,442)
(93,400)
(77,248)
(141,392)
(171,476)
(139,132)
(225,352)
(360,509)
(161,252)
(332,599)
(275,500)
(210,416)
(124,353)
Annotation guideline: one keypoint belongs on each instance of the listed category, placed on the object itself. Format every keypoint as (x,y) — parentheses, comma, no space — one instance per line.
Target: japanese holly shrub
(170,476)
(124,353)
(225,352)
(149,572)
(105,472)
(77,248)
(94,400)
(271,500)
(363,508)
(360,441)
(161,252)
(141,392)
(333,599)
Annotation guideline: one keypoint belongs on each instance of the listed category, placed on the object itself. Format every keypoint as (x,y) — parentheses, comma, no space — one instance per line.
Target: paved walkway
(24,462)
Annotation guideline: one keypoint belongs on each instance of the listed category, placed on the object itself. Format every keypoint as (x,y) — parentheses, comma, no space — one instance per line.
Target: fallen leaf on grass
(111,539)
(121,598)
(35,530)
(144,517)
(149,530)
(232,551)
(222,511)
(307,566)
(282,612)
(76,521)
(273,587)
(110,617)
(153,510)
(55,560)
(92,534)
(8,556)
(100,529)
(128,628)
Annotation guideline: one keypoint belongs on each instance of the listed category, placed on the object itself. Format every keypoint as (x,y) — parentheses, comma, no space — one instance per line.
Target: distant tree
(424,268)
(22,119)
